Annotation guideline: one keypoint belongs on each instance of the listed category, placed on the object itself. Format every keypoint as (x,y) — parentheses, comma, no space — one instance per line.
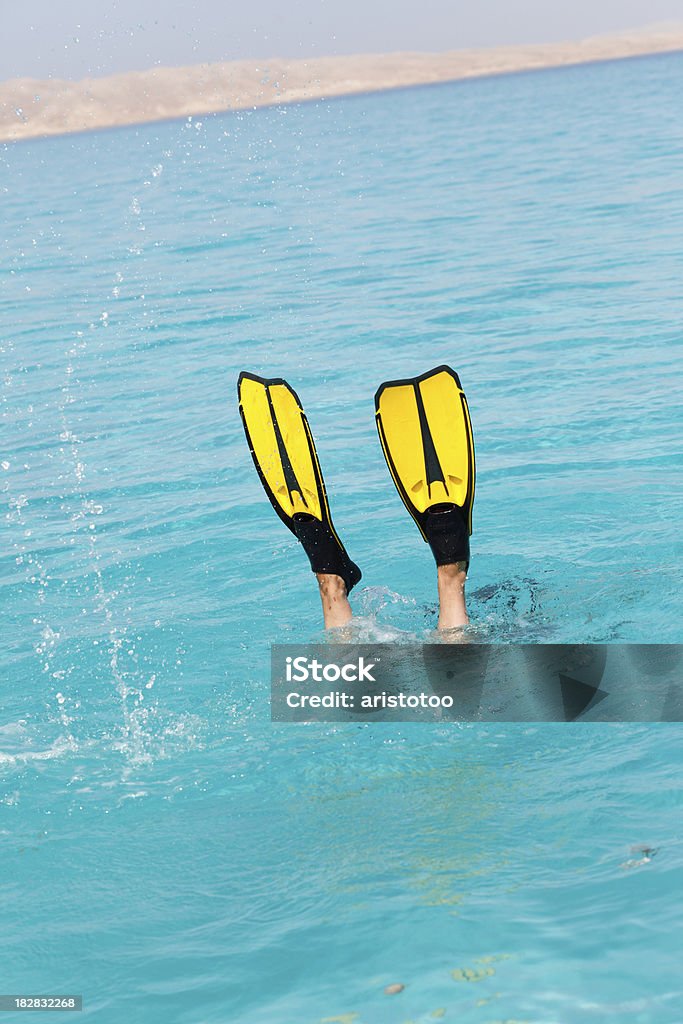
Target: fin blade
(282,447)
(426,436)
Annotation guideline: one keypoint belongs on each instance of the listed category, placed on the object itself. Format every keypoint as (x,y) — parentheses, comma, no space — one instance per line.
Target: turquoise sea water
(168,852)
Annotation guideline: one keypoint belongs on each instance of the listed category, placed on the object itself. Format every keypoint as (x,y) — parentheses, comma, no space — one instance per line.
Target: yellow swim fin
(284,454)
(426,435)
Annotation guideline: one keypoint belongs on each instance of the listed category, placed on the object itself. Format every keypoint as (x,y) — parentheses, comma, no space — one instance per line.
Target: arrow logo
(577,696)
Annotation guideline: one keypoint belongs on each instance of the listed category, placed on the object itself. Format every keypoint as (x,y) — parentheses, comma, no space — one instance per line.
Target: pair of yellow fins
(426,436)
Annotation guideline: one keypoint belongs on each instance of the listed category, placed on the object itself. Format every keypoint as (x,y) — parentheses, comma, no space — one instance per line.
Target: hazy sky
(74,38)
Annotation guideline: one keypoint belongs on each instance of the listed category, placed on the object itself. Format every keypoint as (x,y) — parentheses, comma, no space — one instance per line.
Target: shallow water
(167,851)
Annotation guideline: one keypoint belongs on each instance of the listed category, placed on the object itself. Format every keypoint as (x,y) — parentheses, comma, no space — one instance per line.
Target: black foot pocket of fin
(447,534)
(325,552)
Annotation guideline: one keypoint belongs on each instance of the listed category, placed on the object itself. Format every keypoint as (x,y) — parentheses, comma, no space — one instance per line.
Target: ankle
(335,602)
(331,586)
(453,574)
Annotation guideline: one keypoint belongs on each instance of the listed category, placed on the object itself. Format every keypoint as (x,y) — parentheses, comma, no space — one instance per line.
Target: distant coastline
(31,108)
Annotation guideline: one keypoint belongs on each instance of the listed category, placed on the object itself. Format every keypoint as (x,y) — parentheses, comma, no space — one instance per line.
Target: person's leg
(451,583)
(335,600)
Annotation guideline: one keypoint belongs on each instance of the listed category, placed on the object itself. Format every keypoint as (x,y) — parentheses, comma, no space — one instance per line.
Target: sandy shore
(30,108)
